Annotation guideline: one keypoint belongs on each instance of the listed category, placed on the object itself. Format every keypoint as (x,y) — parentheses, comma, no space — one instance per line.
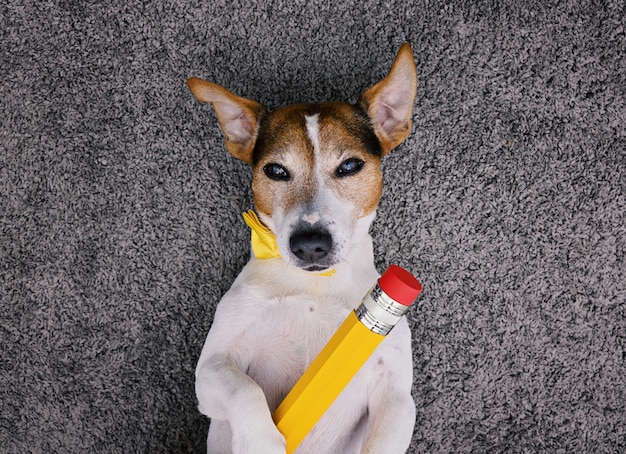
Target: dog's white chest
(288,333)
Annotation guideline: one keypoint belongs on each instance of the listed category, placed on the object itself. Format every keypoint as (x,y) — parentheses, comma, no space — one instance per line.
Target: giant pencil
(344,354)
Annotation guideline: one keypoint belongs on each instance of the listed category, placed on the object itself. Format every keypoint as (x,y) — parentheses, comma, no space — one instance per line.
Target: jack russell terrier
(316,185)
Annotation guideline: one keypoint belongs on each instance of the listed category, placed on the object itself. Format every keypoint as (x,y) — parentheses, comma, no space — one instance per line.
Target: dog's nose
(310,246)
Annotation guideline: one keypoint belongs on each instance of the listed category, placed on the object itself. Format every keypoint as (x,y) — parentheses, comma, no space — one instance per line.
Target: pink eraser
(400,285)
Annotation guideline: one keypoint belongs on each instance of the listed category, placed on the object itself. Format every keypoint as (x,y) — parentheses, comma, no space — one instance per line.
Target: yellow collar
(263,240)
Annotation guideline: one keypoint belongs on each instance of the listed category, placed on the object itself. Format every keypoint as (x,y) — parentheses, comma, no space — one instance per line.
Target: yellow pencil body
(324,380)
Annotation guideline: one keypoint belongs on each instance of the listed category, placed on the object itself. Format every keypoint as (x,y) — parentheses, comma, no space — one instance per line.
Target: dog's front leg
(391,408)
(390,424)
(226,393)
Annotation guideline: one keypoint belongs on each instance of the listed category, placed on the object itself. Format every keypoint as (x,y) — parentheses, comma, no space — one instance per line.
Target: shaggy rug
(120,223)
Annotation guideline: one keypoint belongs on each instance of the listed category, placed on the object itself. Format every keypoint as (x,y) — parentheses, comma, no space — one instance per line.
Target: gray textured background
(120,210)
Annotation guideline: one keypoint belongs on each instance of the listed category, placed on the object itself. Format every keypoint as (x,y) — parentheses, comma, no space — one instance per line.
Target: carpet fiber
(120,221)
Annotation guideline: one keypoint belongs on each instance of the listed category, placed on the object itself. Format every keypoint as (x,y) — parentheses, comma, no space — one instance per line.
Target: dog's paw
(266,442)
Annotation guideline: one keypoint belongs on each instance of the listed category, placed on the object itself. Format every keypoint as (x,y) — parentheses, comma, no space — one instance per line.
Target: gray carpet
(120,221)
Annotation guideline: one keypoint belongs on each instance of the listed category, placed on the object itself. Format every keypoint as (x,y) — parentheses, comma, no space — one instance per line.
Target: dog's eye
(276,172)
(349,167)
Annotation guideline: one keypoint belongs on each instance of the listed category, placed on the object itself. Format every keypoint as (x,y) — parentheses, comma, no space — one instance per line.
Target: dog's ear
(239,117)
(389,103)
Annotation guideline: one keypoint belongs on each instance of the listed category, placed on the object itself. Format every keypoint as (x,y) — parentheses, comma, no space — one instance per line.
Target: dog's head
(316,167)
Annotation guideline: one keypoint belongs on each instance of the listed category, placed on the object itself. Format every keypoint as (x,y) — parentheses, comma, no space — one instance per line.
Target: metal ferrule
(379,312)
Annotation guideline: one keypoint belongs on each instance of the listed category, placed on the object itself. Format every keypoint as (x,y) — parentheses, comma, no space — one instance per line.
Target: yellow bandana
(263,240)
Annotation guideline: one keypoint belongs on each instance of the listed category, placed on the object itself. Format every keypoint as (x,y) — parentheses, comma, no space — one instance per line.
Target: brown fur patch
(344,132)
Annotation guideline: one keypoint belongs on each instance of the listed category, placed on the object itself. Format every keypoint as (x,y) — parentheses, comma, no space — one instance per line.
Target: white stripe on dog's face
(313,130)
(317,181)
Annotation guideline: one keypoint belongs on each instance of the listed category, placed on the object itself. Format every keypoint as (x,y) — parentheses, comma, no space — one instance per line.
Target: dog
(316,184)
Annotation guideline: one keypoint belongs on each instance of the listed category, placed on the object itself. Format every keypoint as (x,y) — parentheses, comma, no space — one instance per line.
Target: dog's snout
(310,246)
